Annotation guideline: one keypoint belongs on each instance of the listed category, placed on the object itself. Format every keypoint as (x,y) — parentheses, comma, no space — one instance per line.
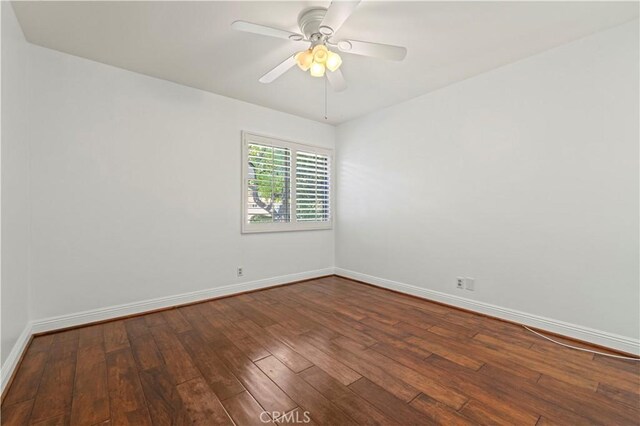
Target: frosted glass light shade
(304,59)
(320,55)
(333,61)
(317,69)
(319,47)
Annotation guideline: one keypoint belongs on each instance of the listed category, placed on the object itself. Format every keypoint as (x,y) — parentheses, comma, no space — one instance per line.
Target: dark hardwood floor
(330,351)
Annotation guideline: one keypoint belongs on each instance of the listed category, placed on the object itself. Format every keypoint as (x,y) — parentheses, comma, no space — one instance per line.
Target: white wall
(136,186)
(525,178)
(15,181)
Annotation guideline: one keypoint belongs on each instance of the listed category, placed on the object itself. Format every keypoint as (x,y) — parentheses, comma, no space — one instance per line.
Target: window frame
(294,147)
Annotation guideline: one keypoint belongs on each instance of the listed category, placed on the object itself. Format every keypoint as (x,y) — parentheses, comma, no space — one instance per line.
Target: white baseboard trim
(111,312)
(610,340)
(10,364)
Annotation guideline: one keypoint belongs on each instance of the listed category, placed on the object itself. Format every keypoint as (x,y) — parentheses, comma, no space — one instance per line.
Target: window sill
(284,227)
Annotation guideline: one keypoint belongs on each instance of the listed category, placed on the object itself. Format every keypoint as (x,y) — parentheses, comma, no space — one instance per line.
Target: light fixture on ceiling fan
(318,26)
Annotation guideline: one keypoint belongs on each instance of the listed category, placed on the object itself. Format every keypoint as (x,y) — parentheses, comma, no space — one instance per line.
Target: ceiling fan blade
(337,13)
(278,70)
(250,27)
(376,50)
(337,81)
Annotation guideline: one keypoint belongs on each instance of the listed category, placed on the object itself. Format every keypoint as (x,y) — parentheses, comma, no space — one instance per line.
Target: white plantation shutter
(268,184)
(312,187)
(286,186)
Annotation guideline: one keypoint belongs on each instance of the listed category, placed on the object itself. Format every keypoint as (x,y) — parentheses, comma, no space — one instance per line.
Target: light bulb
(304,59)
(333,61)
(317,69)
(320,53)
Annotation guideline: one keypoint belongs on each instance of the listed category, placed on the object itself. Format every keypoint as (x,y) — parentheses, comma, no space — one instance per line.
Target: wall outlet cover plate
(470,283)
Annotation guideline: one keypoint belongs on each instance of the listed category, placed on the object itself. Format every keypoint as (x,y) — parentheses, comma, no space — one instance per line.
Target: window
(286,186)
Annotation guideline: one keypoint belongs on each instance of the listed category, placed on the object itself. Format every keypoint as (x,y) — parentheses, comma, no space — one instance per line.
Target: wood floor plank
(336,324)
(326,362)
(72,335)
(601,407)
(438,412)
(292,359)
(90,403)
(164,403)
(223,308)
(27,379)
(408,375)
(615,364)
(220,379)
(62,420)
(281,314)
(176,321)
(509,337)
(389,330)
(126,397)
(385,334)
(248,311)
(625,397)
(332,348)
(459,333)
(41,343)
(268,395)
(460,386)
(565,371)
(115,336)
(456,352)
(498,371)
(90,336)
(203,327)
(56,387)
(16,414)
(485,414)
(177,360)
(372,371)
(247,344)
(202,405)
(245,410)
(155,319)
(343,397)
(512,395)
(146,353)
(320,408)
(136,327)
(391,406)
(437,345)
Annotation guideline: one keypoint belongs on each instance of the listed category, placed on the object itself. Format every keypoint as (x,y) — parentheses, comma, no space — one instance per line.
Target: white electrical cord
(580,349)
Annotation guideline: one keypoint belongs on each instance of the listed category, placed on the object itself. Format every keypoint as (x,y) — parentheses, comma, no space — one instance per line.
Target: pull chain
(325,98)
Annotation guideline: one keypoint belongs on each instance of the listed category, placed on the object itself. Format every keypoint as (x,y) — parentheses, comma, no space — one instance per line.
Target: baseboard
(12,361)
(128,309)
(614,341)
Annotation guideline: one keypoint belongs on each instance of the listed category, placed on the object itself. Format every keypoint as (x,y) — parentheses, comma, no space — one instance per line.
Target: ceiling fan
(318,25)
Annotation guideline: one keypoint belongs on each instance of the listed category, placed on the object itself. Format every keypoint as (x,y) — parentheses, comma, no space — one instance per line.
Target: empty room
(320,213)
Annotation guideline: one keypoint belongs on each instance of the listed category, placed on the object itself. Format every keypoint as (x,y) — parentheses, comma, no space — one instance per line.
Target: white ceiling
(191,43)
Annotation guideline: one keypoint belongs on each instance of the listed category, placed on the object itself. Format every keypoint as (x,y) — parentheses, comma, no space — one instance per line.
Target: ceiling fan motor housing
(309,22)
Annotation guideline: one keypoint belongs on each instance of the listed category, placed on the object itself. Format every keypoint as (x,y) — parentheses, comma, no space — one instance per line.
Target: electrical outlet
(240,272)
(470,283)
(460,282)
